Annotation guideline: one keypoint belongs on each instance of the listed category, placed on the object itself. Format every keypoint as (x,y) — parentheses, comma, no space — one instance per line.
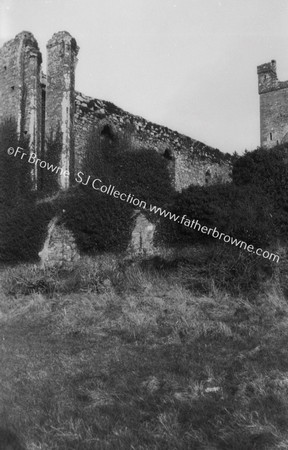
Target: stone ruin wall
(200,170)
(42,105)
(190,161)
(59,248)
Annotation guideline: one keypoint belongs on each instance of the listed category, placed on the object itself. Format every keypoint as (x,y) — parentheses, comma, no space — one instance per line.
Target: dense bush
(267,169)
(241,212)
(25,231)
(19,222)
(15,180)
(262,167)
(99,221)
(142,172)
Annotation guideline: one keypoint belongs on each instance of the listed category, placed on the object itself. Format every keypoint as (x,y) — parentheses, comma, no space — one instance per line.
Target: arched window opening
(208,176)
(271,136)
(107,133)
(168,154)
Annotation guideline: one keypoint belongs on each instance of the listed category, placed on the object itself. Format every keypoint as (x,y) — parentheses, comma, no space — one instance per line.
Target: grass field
(138,356)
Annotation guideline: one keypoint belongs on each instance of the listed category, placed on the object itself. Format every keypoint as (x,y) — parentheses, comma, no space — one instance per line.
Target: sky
(190,65)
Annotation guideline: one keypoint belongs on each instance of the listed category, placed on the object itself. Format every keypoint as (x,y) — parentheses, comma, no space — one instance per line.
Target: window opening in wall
(106,132)
(208,176)
(168,154)
(5,67)
(271,137)
(12,88)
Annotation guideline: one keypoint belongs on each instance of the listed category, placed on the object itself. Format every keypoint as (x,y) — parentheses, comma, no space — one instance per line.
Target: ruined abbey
(46,108)
(273,106)
(43,104)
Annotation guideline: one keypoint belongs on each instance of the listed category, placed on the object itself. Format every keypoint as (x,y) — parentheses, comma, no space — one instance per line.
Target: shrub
(18,221)
(98,222)
(239,211)
(15,175)
(268,170)
(142,172)
(25,231)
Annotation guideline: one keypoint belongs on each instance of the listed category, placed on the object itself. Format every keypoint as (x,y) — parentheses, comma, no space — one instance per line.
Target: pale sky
(187,64)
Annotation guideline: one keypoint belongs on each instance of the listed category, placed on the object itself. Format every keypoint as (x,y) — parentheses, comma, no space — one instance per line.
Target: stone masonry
(142,238)
(20,89)
(273,106)
(46,105)
(59,248)
(60,97)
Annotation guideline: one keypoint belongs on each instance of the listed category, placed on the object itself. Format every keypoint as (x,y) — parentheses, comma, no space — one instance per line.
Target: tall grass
(132,356)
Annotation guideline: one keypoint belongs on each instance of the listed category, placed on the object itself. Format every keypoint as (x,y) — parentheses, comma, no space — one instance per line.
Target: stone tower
(62,53)
(273,106)
(20,89)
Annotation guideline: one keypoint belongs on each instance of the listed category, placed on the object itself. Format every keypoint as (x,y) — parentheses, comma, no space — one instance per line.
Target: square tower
(273,106)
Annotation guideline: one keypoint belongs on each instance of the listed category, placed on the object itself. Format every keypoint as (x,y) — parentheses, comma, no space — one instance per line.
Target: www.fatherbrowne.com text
(98,185)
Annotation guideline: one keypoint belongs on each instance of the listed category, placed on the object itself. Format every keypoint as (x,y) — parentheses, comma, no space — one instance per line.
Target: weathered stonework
(20,89)
(142,236)
(59,248)
(62,53)
(189,160)
(273,106)
(46,107)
